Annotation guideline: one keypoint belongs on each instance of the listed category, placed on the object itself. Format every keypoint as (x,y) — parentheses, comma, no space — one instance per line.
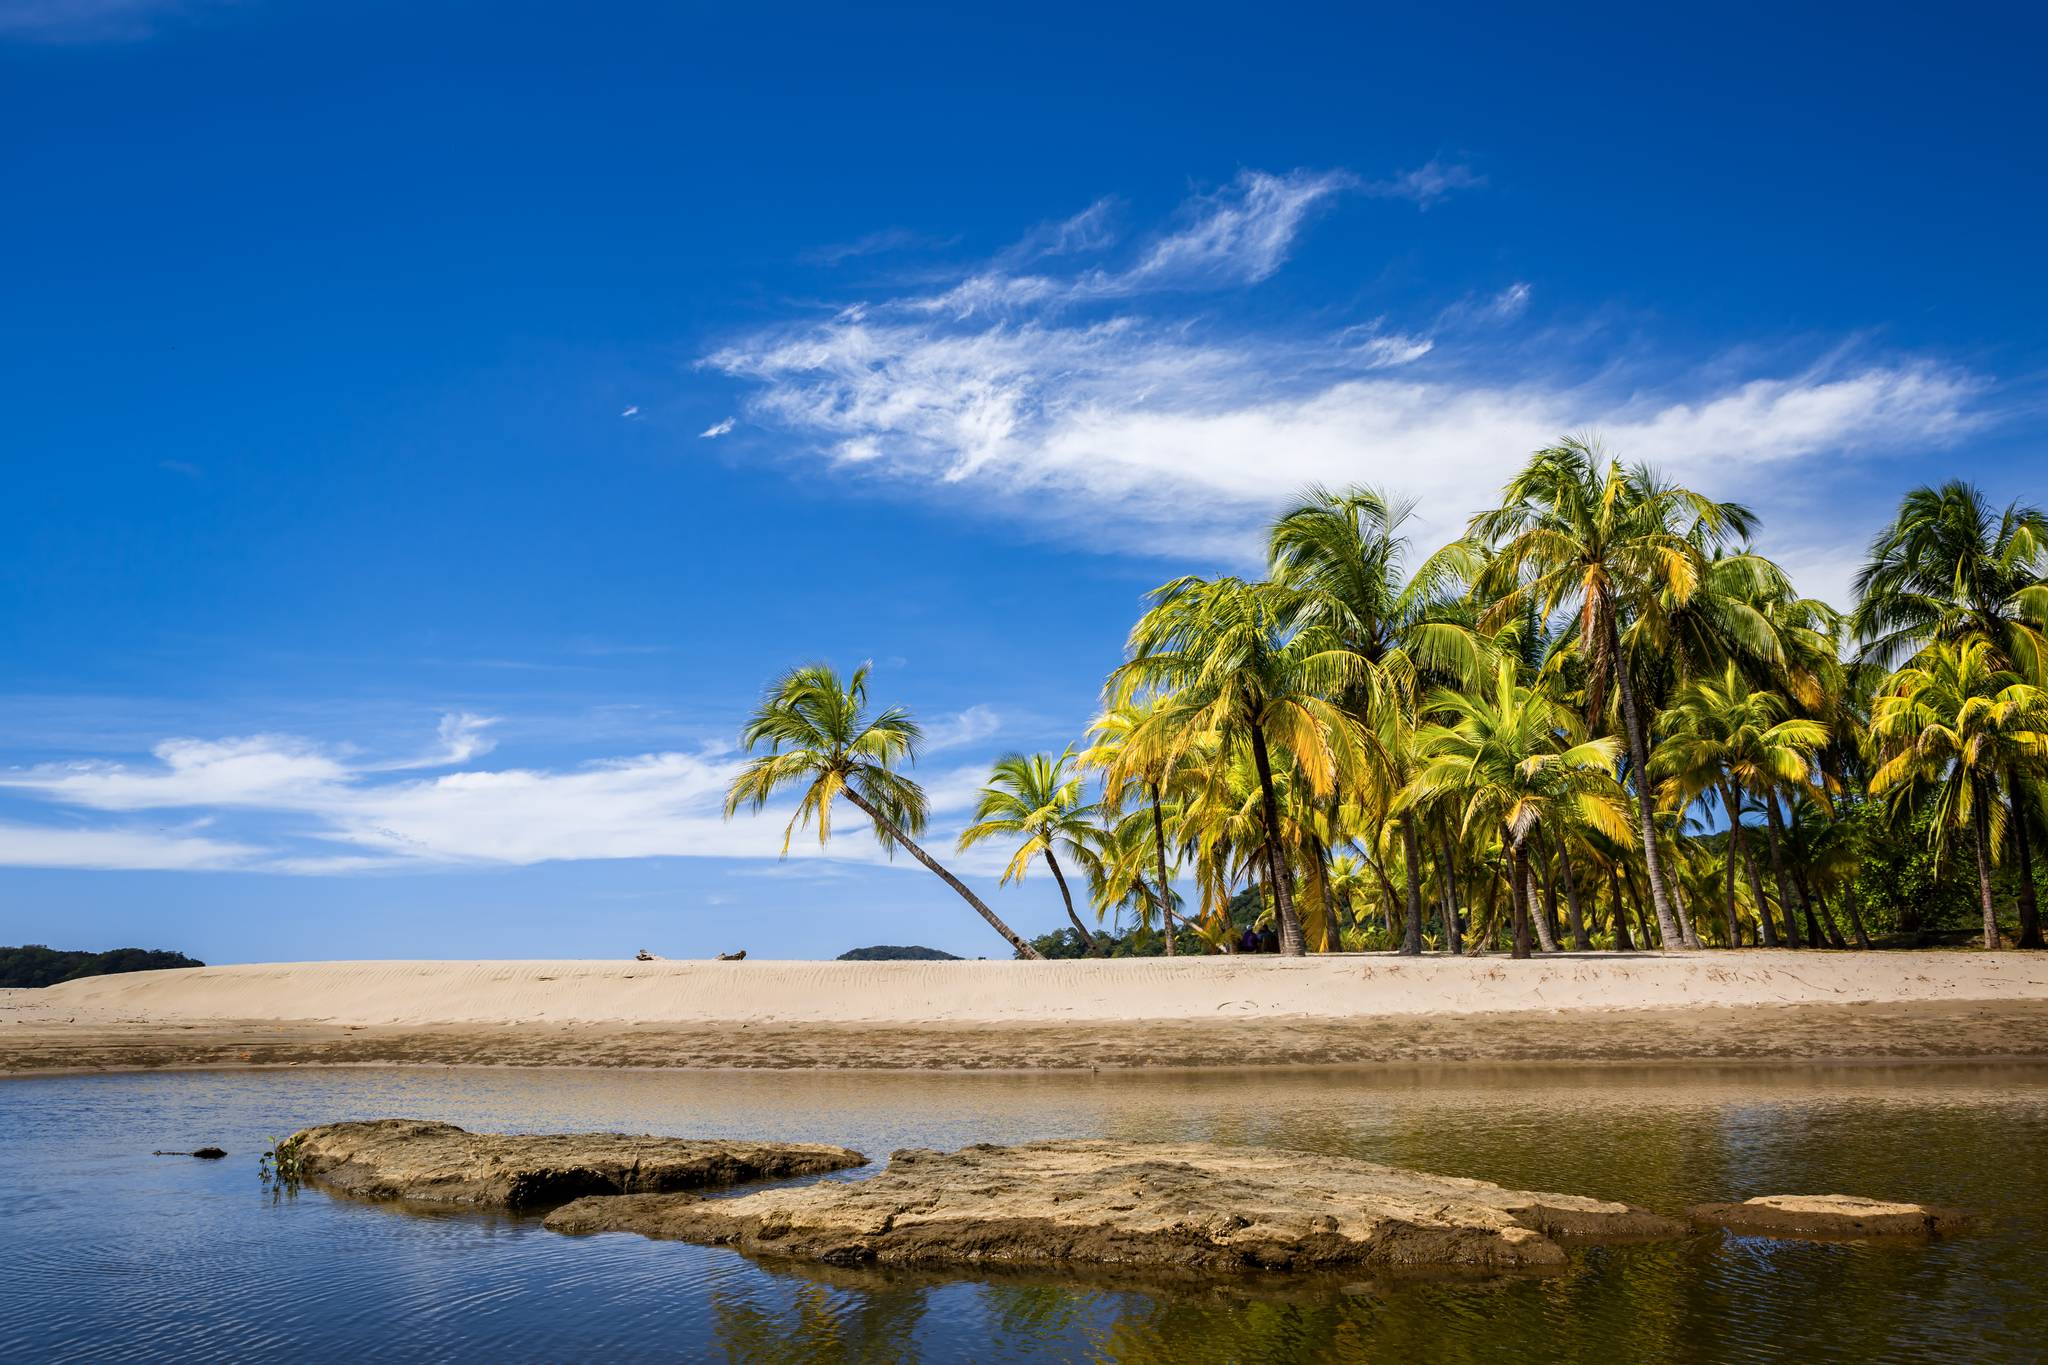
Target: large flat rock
(1831,1215)
(1176,1205)
(438,1163)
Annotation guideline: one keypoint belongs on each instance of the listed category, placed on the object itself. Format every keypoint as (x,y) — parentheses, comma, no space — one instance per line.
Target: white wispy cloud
(718,429)
(1090,398)
(880,242)
(317,811)
(117,848)
(971,726)
(1428,183)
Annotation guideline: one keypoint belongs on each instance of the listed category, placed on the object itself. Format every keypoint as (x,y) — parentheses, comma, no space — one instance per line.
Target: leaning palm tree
(1508,759)
(1579,533)
(1036,799)
(1222,663)
(1953,723)
(820,736)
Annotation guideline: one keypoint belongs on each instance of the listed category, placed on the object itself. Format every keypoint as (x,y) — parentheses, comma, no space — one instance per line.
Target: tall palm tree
(1345,560)
(1509,758)
(1036,799)
(1220,660)
(820,736)
(1954,722)
(1724,736)
(1613,546)
(1950,565)
(1126,766)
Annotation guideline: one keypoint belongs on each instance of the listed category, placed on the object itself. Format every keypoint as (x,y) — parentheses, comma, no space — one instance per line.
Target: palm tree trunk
(1774,828)
(1763,906)
(2023,852)
(1087,939)
(1453,937)
(1546,923)
(1291,943)
(1639,764)
(1575,916)
(1687,935)
(1521,894)
(994,921)
(1411,932)
(1165,887)
(1817,904)
(1387,897)
(1802,886)
(1983,830)
(1734,858)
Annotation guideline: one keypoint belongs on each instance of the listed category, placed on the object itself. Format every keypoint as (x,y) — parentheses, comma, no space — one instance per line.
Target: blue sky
(428,425)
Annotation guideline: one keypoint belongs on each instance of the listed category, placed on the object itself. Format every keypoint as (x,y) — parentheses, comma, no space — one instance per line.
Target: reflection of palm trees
(818,1322)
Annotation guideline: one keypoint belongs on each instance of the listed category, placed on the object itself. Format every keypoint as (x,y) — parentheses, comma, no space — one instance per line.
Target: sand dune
(923,993)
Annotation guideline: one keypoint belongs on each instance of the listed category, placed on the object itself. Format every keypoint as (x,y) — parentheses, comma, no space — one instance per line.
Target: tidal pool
(109,1253)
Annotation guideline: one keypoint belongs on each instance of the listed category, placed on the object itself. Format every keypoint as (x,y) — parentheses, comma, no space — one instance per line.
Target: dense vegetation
(889,952)
(35,965)
(1599,719)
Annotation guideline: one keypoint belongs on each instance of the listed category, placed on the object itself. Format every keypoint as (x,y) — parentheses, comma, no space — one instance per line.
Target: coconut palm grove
(1602,719)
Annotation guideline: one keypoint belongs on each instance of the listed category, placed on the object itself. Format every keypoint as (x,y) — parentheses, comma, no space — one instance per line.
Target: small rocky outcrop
(1188,1206)
(1830,1216)
(438,1163)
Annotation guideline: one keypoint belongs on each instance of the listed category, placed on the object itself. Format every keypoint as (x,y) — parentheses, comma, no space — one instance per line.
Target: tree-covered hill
(36,965)
(889,952)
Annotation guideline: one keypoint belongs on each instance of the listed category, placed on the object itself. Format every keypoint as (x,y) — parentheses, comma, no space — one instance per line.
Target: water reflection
(111,1254)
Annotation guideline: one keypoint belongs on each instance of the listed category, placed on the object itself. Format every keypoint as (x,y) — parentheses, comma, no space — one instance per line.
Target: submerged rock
(439,1163)
(1170,1205)
(1831,1215)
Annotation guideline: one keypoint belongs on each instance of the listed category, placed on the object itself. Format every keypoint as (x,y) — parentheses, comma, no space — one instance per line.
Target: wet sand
(1923,1031)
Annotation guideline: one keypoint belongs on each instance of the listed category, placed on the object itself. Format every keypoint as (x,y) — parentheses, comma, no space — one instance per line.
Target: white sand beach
(910,993)
(1208,1011)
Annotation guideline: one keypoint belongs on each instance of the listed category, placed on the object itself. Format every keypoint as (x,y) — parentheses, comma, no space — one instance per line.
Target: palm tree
(1724,736)
(1509,757)
(1955,721)
(1344,559)
(1949,566)
(819,735)
(1613,546)
(1219,659)
(1126,765)
(1036,800)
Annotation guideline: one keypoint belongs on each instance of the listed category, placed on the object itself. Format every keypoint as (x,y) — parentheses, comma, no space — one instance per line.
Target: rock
(1192,1206)
(203,1153)
(439,1163)
(1831,1215)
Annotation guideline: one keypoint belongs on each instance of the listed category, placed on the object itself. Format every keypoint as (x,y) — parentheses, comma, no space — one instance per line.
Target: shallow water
(108,1253)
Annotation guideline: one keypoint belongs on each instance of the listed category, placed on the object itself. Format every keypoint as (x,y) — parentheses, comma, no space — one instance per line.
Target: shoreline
(1156,1014)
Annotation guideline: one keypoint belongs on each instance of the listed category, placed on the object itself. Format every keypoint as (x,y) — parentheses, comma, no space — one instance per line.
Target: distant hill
(889,952)
(35,965)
